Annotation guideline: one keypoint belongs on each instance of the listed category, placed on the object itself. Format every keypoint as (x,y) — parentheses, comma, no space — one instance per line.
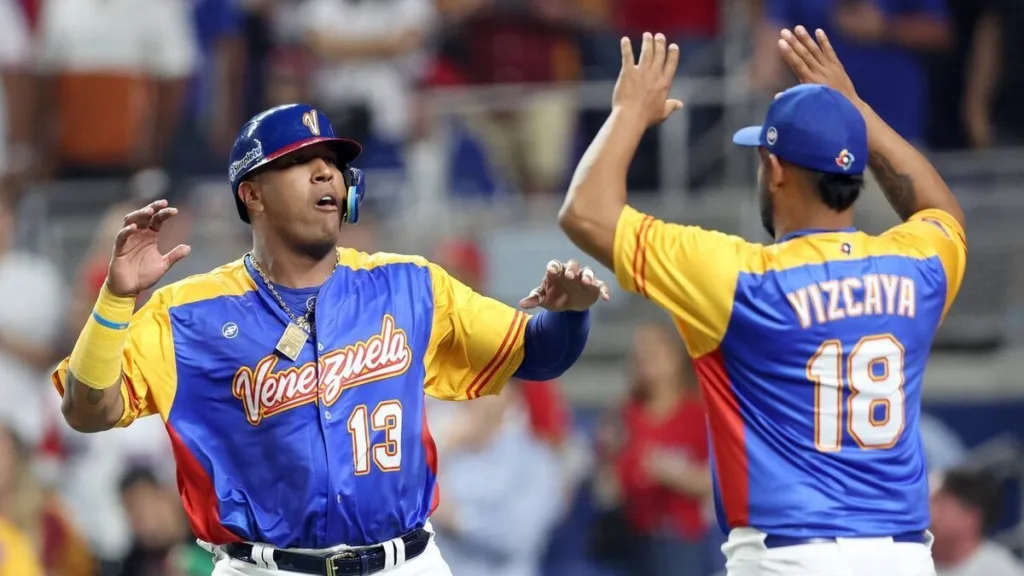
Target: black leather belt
(771,541)
(358,561)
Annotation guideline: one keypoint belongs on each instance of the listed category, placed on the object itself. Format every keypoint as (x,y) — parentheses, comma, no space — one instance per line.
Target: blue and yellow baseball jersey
(810,355)
(332,448)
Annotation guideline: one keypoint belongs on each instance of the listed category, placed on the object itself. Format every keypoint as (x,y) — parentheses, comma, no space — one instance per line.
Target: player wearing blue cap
(810,352)
(292,380)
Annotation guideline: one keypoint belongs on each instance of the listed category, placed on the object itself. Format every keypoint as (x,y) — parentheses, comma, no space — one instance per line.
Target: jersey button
(339,498)
(327,414)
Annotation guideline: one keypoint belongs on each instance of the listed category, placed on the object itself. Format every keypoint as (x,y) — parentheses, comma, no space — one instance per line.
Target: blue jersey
(810,354)
(332,447)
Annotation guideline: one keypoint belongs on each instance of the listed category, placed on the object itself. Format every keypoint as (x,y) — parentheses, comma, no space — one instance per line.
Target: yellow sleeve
(17,557)
(476,343)
(148,370)
(936,232)
(688,271)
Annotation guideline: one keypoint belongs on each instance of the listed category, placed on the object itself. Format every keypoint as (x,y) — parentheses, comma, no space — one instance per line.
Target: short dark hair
(976,489)
(138,475)
(837,191)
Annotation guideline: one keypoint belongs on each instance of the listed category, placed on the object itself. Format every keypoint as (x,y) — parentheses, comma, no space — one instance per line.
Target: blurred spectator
(502,495)
(158,524)
(879,42)
(17,557)
(547,409)
(655,471)
(15,96)
(964,509)
(529,134)
(115,75)
(369,74)
(93,466)
(38,513)
(943,448)
(694,25)
(212,113)
(995,77)
(28,328)
(288,73)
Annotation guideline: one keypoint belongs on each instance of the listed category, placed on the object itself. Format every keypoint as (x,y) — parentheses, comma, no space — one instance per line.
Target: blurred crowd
(151,92)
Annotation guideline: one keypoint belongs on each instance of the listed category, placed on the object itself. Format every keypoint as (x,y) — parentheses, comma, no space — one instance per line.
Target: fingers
(812,47)
(628,59)
(793,59)
(533,300)
(123,235)
(826,46)
(177,253)
(672,61)
(671,105)
(572,270)
(647,51)
(141,216)
(160,217)
(660,50)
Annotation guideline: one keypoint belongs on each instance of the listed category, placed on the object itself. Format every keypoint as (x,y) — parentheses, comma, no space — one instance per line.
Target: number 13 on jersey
(875,410)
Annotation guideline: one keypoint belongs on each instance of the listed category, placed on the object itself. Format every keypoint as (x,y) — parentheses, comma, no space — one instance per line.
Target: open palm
(137,263)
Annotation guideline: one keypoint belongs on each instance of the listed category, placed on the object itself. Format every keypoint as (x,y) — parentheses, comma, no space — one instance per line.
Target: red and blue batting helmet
(278,131)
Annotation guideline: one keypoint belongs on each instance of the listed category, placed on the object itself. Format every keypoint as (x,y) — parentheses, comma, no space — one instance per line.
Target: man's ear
(776,172)
(251,196)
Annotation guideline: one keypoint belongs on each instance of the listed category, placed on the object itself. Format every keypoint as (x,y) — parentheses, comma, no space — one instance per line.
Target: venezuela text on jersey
(264,392)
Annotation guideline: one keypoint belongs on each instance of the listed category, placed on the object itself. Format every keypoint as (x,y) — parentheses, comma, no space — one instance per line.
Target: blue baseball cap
(814,127)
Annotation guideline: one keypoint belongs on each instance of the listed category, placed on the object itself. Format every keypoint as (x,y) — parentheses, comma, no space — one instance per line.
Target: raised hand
(643,86)
(566,286)
(137,263)
(815,62)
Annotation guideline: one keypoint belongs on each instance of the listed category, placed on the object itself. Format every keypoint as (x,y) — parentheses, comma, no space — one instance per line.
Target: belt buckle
(332,570)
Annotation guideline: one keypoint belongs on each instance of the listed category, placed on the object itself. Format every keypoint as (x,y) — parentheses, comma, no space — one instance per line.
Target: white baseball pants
(746,555)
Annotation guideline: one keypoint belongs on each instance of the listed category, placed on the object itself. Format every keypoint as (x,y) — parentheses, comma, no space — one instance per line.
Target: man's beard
(764,200)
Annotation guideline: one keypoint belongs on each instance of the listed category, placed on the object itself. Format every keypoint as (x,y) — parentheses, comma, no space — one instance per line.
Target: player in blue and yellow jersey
(292,380)
(810,352)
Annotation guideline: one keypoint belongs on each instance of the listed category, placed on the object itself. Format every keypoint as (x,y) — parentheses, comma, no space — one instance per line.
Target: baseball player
(810,352)
(292,380)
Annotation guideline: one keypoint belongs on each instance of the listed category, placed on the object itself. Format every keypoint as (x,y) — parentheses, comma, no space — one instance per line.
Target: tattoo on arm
(898,187)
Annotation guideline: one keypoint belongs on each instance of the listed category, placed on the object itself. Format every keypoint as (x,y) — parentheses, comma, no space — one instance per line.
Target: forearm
(693,482)
(342,49)
(597,193)
(170,98)
(983,69)
(92,388)
(920,33)
(908,180)
(553,342)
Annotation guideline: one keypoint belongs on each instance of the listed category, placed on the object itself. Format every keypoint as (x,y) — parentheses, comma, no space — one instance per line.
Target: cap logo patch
(845,160)
(312,121)
(771,136)
(254,155)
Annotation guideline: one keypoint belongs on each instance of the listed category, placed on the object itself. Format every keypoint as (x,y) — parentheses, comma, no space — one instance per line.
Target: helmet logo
(312,121)
(243,164)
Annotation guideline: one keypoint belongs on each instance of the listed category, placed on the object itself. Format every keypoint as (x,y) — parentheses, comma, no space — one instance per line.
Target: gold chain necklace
(303,321)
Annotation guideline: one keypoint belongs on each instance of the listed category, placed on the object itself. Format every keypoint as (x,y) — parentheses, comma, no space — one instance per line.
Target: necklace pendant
(292,341)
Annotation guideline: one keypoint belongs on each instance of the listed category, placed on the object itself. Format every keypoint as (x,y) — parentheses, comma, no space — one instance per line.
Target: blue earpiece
(356,189)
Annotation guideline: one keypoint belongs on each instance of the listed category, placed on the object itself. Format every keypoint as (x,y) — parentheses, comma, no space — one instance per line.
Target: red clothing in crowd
(649,506)
(549,413)
(696,17)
